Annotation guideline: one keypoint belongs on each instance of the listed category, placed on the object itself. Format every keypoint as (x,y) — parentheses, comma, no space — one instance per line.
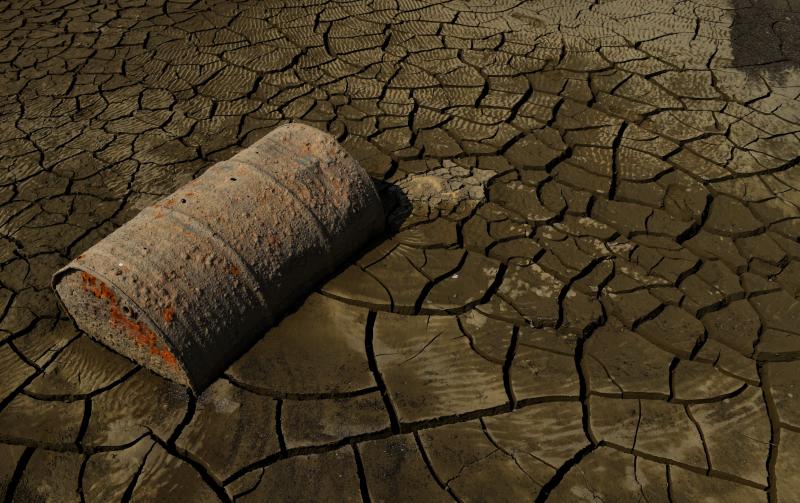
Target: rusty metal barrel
(186,286)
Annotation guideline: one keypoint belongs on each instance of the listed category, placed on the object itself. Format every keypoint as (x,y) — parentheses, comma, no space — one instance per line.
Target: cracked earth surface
(591,290)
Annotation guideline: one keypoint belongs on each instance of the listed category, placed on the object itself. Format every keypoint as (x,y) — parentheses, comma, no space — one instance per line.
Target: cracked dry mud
(592,290)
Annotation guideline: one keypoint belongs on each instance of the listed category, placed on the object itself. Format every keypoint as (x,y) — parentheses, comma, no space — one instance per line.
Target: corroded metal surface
(193,280)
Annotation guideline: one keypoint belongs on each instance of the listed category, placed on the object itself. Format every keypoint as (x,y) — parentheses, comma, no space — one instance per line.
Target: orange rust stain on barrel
(141,334)
(169,313)
(97,288)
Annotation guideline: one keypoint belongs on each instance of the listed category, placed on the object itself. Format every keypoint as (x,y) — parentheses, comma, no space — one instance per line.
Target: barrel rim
(73,267)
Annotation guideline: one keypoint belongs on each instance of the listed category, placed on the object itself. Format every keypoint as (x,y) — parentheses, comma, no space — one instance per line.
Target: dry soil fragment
(318,349)
(544,365)
(779,310)
(439,233)
(230,429)
(50,476)
(108,474)
(9,457)
(621,361)
(736,325)
(737,433)
(533,292)
(450,190)
(610,475)
(667,432)
(355,285)
(325,421)
(674,330)
(45,340)
(540,451)
(730,217)
(15,371)
(401,278)
(466,460)
(46,423)
(522,202)
(395,471)
(167,478)
(489,337)
(633,307)
(313,477)
(465,286)
(728,360)
(653,427)
(430,370)
(784,385)
(83,367)
(142,404)
(686,486)
(693,380)
(787,467)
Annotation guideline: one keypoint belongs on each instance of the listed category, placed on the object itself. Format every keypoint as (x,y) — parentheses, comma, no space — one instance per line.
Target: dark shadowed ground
(766,36)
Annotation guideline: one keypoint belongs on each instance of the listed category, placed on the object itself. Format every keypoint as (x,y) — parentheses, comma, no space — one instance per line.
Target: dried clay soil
(591,293)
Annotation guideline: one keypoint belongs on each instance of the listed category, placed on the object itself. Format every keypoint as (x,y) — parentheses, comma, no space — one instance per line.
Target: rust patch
(169,313)
(234,270)
(140,333)
(273,239)
(97,288)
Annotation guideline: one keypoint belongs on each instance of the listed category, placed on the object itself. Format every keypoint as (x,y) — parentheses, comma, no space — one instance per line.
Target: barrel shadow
(396,206)
(396,210)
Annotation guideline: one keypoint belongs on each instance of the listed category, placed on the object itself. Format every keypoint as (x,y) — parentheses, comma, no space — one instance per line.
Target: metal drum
(192,281)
